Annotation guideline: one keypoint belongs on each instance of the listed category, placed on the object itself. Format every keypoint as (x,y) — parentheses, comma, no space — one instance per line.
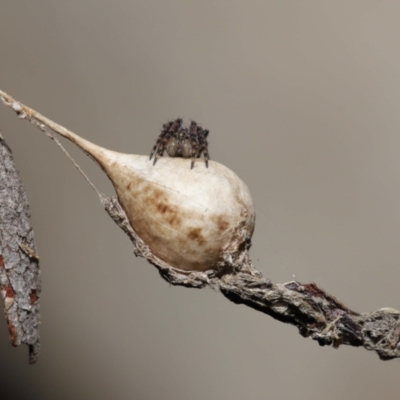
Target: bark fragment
(19,264)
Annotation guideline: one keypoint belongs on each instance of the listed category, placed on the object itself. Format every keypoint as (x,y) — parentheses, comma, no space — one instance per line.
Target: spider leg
(161,146)
(194,142)
(169,129)
(154,147)
(164,132)
(203,145)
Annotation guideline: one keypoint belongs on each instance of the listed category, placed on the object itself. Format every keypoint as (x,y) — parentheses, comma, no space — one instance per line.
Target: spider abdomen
(179,148)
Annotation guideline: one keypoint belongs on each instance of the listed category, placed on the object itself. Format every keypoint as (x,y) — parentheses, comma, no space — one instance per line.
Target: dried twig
(313,311)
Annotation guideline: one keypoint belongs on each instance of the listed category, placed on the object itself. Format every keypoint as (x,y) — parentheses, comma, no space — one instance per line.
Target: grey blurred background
(302,100)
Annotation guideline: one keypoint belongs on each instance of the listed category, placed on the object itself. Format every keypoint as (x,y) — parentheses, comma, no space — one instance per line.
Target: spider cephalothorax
(179,141)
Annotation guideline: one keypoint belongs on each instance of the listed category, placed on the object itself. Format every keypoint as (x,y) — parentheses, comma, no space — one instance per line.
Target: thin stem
(44,124)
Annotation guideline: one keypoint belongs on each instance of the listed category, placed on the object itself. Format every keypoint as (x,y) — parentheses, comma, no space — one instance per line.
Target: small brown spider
(181,141)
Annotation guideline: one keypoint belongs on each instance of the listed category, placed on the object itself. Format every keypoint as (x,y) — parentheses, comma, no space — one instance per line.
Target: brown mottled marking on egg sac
(195,234)
(156,198)
(164,208)
(173,220)
(221,223)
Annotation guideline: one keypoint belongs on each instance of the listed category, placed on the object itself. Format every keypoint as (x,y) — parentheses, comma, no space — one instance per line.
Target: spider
(186,142)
